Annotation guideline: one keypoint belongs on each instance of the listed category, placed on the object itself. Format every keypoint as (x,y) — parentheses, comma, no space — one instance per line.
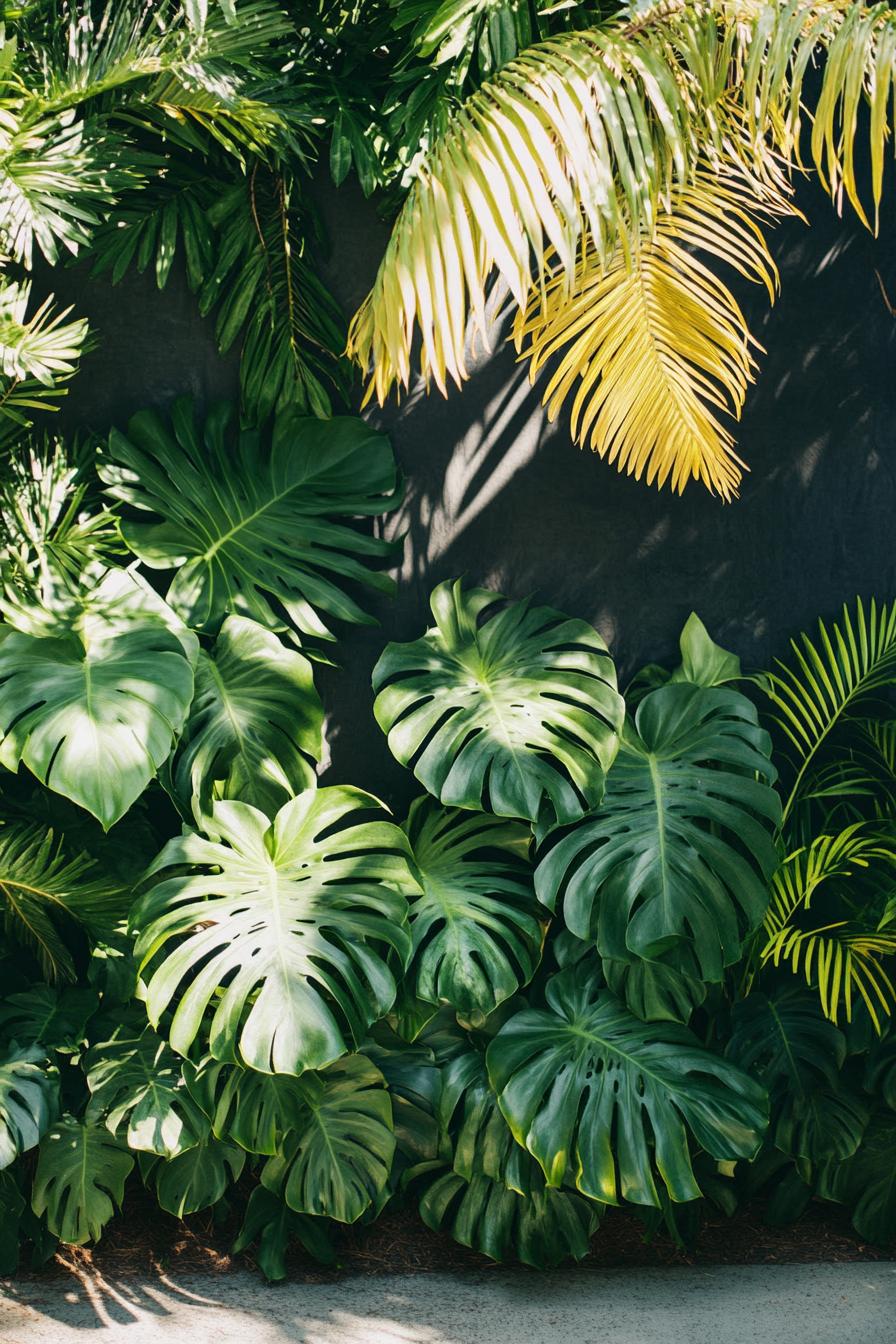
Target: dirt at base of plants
(145,1241)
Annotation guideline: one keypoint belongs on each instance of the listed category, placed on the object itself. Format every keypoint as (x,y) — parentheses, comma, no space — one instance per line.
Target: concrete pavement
(796,1304)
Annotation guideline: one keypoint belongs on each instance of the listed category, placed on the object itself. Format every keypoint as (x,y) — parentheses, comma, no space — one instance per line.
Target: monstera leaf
(475,927)
(94,712)
(481,1138)
(336,1161)
(288,932)
(54,1018)
(137,1088)
(539,1229)
(271,1225)
(788,1045)
(79,1182)
(502,711)
(673,870)
(29,1097)
(600,1097)
(866,1182)
(197,1178)
(255,1110)
(255,724)
(248,522)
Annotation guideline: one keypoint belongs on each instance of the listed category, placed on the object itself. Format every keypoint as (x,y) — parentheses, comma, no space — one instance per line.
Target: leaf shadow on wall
(497,494)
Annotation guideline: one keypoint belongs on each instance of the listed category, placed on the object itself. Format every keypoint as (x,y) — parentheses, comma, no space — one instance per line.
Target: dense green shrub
(626,947)
(614,955)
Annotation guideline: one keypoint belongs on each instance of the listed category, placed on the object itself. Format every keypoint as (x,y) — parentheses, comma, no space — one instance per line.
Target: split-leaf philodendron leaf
(672,871)
(93,711)
(609,1102)
(476,927)
(255,525)
(288,933)
(512,711)
(255,725)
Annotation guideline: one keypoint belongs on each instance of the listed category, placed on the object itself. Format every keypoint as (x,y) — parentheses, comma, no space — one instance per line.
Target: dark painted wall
(497,494)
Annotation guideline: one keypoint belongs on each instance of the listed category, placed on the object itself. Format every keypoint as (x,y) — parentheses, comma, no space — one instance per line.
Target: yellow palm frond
(653,345)
(841,960)
(592,129)
(560,174)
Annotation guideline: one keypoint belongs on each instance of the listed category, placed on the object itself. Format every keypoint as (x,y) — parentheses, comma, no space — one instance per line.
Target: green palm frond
(39,352)
(652,345)
(57,176)
(151,227)
(561,170)
(849,664)
(53,541)
(44,890)
(248,243)
(42,347)
(843,958)
(266,287)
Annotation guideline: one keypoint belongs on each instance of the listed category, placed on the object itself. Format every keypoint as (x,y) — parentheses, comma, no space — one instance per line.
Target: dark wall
(499,495)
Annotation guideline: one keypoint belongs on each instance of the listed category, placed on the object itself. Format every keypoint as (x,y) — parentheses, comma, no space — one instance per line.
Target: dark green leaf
(599,1097)
(476,929)
(249,520)
(255,725)
(79,1182)
(674,867)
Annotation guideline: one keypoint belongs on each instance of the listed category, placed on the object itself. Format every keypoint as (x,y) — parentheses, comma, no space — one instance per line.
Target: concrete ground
(796,1304)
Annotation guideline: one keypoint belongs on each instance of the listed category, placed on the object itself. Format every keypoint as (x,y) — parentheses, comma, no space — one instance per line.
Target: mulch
(145,1241)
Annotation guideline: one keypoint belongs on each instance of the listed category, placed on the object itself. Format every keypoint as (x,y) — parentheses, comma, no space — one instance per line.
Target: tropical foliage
(604,959)
(599,169)
(612,170)
(626,948)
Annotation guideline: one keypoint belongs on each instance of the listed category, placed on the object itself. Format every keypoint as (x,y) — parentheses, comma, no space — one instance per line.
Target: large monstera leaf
(540,1229)
(790,1047)
(505,711)
(137,1089)
(79,1181)
(255,1110)
(255,725)
(672,872)
(337,1159)
(29,1099)
(475,927)
(94,711)
(250,522)
(287,933)
(601,1098)
(198,1177)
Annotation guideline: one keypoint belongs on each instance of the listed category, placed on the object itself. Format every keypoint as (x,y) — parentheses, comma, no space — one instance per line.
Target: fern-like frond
(57,176)
(42,889)
(42,346)
(264,286)
(653,345)
(849,663)
(841,958)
